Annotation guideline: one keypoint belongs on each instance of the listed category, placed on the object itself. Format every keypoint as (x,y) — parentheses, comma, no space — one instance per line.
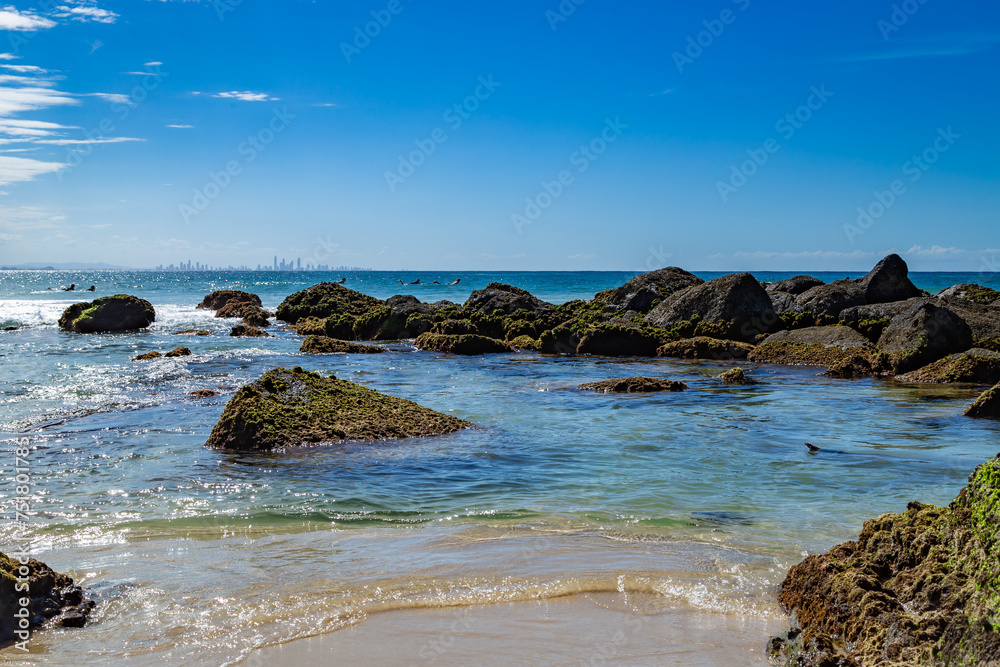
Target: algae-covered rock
(53,600)
(454,327)
(179,352)
(616,340)
(922,335)
(256,317)
(526,343)
(703,347)
(220,298)
(642,292)
(147,356)
(976,293)
(813,346)
(193,332)
(323,300)
(859,363)
(245,331)
(291,407)
(975,366)
(465,344)
(507,298)
(326,345)
(987,406)
(203,393)
(921,587)
(107,314)
(633,385)
(736,376)
(311,326)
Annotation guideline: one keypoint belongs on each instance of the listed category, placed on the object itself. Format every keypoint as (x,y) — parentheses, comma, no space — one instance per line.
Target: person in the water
(70,288)
(457,280)
(92,288)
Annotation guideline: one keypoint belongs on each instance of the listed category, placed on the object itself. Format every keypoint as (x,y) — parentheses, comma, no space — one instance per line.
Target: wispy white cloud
(325,104)
(11,18)
(8,56)
(243,96)
(181,127)
(34,69)
(16,100)
(85,142)
(117,98)
(85,10)
(155,63)
(15,169)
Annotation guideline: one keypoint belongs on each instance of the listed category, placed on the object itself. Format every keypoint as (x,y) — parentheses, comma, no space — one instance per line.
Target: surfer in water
(71,287)
(457,280)
(92,288)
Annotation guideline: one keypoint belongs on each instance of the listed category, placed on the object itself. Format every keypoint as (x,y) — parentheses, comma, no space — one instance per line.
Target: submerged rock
(220,298)
(326,345)
(736,376)
(922,335)
(703,347)
(203,393)
(644,291)
(975,366)
(915,588)
(633,385)
(465,344)
(323,300)
(987,406)
(245,331)
(108,314)
(291,407)
(54,600)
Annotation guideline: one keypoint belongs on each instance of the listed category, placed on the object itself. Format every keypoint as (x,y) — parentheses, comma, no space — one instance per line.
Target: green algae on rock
(54,600)
(327,345)
(179,352)
(921,587)
(465,344)
(246,331)
(148,356)
(120,312)
(736,376)
(323,300)
(291,407)
(975,366)
(633,385)
(987,406)
(703,347)
(220,298)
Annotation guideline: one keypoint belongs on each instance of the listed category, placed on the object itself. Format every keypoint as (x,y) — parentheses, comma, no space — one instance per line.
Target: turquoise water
(700,500)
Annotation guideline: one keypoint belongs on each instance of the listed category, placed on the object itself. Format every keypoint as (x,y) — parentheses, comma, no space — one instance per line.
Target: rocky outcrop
(217,300)
(179,352)
(311,326)
(53,600)
(983,320)
(736,302)
(975,366)
(405,317)
(614,340)
(326,345)
(703,347)
(916,588)
(506,298)
(642,292)
(859,363)
(795,285)
(831,299)
(323,300)
(922,335)
(108,314)
(465,344)
(203,393)
(454,327)
(987,406)
(256,317)
(292,407)
(193,332)
(526,343)
(148,356)
(736,376)
(888,281)
(244,331)
(782,302)
(633,385)
(976,293)
(812,346)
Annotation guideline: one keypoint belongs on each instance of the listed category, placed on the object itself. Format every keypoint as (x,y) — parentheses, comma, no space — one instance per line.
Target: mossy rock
(921,587)
(339,326)
(108,314)
(633,385)
(793,353)
(312,326)
(526,343)
(292,407)
(235,309)
(736,376)
(193,332)
(178,352)
(974,367)
(453,327)
(860,363)
(466,344)
(220,298)
(323,300)
(54,600)
(987,406)
(326,345)
(148,356)
(704,347)
(256,317)
(245,331)
(612,340)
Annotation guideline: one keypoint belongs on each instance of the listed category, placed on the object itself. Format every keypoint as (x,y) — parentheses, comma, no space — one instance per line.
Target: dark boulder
(633,385)
(703,347)
(736,302)
(983,320)
(108,314)
(612,340)
(203,393)
(640,293)
(466,344)
(407,317)
(256,317)
(987,406)
(325,345)
(323,300)
(218,299)
(292,407)
(563,339)
(830,299)
(497,296)
(148,356)
(178,352)
(782,302)
(736,376)
(794,285)
(454,327)
(922,335)
(976,293)
(54,600)
(244,331)
(888,281)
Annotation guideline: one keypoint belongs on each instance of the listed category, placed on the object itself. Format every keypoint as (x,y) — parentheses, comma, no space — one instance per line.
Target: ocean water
(674,516)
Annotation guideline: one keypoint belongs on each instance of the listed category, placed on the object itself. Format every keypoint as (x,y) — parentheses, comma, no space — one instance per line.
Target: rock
(737,302)
(196,332)
(795,285)
(465,344)
(217,300)
(922,335)
(812,346)
(983,320)
(782,302)
(859,363)
(53,599)
(311,326)
(975,366)
(642,292)
(836,336)
(323,300)
(888,281)
(633,385)
(497,296)
(255,317)
(736,376)
(407,317)
(879,311)
(454,327)
(976,293)
(987,406)
(147,356)
(291,407)
(178,352)
(203,393)
(612,340)
(244,331)
(111,313)
(240,309)
(325,345)
(915,588)
(830,299)
(526,343)
(560,340)
(704,347)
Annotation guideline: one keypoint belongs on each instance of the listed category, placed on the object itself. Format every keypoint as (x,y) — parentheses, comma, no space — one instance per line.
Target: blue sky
(724,135)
